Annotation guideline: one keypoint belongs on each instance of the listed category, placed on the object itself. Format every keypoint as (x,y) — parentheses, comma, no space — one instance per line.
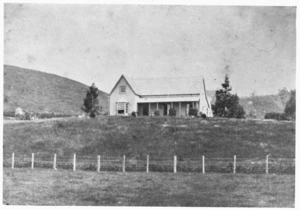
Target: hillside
(156,136)
(258,106)
(47,93)
(43,93)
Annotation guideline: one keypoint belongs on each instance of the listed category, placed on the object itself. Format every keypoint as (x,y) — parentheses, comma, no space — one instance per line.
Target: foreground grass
(155,136)
(49,187)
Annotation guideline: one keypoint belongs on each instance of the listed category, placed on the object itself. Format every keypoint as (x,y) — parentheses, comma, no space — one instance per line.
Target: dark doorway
(165,109)
(143,109)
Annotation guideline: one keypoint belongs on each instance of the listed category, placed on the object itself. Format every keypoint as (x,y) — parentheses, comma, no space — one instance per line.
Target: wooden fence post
(267,164)
(13,160)
(147,166)
(32,160)
(74,162)
(98,165)
(234,164)
(54,162)
(203,164)
(123,165)
(175,163)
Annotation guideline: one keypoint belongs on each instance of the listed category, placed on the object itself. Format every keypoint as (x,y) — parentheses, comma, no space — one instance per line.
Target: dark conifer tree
(91,102)
(227,105)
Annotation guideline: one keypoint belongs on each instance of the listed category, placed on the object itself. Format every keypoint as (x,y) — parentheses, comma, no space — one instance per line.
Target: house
(145,96)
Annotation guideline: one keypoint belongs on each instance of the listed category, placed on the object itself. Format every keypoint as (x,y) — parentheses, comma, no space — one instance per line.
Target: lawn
(154,136)
(28,187)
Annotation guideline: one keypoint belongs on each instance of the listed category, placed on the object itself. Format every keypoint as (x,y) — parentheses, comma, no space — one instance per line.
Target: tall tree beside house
(227,104)
(91,102)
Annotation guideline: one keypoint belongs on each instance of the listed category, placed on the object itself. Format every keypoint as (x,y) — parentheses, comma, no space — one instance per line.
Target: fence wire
(155,164)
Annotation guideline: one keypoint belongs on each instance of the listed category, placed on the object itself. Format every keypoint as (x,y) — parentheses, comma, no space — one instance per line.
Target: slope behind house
(44,93)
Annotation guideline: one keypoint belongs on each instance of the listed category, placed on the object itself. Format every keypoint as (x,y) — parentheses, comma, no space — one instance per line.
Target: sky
(254,45)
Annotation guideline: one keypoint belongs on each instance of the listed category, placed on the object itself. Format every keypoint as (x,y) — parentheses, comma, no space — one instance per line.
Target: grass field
(28,187)
(155,136)
(158,137)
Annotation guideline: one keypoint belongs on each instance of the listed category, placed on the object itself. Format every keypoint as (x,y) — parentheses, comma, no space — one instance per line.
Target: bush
(203,115)
(8,114)
(156,113)
(276,116)
(239,112)
(134,114)
(172,112)
(290,108)
(193,112)
(27,116)
(6,99)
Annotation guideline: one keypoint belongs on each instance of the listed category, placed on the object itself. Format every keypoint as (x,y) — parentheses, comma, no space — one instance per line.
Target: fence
(153,164)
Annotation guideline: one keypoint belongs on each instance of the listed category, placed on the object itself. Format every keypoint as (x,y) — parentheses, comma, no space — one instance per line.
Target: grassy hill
(156,136)
(258,106)
(43,93)
(47,93)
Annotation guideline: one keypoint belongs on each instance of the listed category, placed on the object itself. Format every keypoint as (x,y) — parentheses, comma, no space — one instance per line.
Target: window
(122,108)
(122,89)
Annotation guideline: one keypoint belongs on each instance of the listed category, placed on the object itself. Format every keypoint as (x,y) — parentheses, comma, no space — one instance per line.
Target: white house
(145,96)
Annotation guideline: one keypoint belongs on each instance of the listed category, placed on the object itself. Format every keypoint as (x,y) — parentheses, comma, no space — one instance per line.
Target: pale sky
(256,46)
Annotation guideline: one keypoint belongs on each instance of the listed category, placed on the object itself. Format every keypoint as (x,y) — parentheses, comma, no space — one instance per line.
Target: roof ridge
(167,78)
(165,85)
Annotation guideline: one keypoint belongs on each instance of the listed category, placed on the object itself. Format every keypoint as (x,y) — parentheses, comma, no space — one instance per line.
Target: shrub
(6,99)
(290,108)
(203,115)
(276,116)
(134,114)
(27,116)
(193,112)
(156,113)
(239,112)
(172,112)
(8,114)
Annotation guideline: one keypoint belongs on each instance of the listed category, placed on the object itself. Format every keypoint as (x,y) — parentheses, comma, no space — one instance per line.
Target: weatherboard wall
(128,96)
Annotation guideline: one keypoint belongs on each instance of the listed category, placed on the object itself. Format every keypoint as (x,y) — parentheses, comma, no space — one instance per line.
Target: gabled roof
(164,86)
(127,80)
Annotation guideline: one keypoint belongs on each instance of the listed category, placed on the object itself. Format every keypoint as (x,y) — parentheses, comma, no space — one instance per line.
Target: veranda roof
(168,99)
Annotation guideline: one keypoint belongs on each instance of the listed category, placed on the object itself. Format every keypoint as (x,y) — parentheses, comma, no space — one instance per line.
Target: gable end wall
(128,96)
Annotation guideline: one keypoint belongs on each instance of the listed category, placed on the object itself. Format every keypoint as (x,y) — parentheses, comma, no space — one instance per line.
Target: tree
(227,105)
(290,108)
(91,102)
